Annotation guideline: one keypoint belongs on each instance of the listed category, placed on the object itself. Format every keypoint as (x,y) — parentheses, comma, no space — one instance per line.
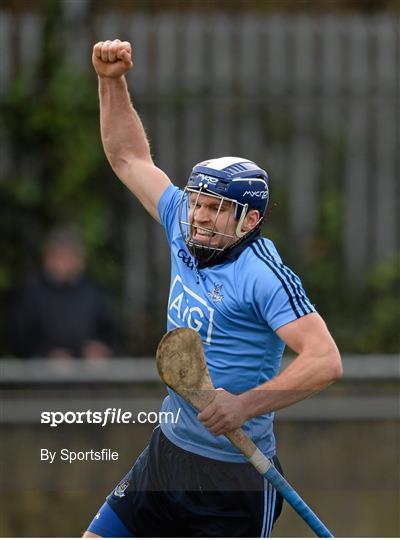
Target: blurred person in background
(61,312)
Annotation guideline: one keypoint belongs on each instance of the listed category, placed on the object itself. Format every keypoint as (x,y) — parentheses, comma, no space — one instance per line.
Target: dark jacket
(51,315)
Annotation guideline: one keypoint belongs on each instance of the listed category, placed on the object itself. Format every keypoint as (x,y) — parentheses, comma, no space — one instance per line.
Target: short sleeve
(168,208)
(285,302)
(277,291)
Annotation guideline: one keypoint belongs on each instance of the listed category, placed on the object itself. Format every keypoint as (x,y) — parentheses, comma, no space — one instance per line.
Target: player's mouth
(202,235)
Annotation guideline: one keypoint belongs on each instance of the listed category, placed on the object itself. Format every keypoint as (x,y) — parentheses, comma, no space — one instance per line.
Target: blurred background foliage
(50,120)
(50,117)
(54,120)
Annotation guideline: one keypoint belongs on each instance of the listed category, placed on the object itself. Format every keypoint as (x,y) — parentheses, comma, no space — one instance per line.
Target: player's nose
(202,215)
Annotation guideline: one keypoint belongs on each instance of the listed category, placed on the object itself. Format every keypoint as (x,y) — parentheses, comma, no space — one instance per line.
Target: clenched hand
(225,413)
(112,58)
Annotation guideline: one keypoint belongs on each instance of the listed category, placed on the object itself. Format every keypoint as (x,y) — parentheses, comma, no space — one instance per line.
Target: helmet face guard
(216,238)
(234,186)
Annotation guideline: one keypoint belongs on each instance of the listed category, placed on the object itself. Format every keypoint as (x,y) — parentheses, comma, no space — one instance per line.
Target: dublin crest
(215,294)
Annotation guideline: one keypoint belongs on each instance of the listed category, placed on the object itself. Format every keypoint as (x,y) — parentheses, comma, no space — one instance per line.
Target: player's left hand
(225,413)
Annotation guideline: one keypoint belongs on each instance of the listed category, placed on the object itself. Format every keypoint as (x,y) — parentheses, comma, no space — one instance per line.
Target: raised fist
(112,58)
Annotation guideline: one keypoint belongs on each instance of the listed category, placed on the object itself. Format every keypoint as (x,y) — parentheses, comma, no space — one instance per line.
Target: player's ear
(251,220)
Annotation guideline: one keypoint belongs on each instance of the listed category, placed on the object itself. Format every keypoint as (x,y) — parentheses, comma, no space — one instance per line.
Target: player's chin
(208,245)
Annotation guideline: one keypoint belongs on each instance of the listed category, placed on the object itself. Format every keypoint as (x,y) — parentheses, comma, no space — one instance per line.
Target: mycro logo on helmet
(186,308)
(261,194)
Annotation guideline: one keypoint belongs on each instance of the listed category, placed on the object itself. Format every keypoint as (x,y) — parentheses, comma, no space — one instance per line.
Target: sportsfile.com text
(108,416)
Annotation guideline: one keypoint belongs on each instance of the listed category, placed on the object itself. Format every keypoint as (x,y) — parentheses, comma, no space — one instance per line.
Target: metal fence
(313,98)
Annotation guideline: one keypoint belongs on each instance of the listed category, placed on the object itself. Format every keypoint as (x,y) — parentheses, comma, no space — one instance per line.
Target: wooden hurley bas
(182,366)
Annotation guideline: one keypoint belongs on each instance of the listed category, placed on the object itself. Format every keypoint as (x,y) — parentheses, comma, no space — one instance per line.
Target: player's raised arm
(122,133)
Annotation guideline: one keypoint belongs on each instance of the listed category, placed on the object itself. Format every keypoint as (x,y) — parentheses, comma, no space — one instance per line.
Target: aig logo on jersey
(186,308)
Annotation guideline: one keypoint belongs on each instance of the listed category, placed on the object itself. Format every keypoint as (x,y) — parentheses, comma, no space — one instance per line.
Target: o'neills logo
(120,490)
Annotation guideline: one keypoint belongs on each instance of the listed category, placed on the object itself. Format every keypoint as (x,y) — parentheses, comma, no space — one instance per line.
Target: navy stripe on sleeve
(281,279)
(301,299)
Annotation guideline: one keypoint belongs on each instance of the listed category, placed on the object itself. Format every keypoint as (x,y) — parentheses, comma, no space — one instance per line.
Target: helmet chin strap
(239,233)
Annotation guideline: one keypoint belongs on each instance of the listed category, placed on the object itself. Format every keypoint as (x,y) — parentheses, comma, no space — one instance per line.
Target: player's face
(212,221)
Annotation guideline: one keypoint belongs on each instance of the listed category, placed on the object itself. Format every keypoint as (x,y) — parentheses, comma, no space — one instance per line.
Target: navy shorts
(170,492)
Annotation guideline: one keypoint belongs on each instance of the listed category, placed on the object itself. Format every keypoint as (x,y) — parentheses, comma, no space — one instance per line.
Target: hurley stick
(182,366)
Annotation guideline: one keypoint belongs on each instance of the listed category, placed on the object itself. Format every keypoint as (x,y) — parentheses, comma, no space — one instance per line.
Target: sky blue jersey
(236,307)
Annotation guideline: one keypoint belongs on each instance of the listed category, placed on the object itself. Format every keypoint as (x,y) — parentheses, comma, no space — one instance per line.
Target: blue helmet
(233,180)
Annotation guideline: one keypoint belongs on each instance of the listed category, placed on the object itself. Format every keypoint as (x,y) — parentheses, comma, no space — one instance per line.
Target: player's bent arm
(316,365)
